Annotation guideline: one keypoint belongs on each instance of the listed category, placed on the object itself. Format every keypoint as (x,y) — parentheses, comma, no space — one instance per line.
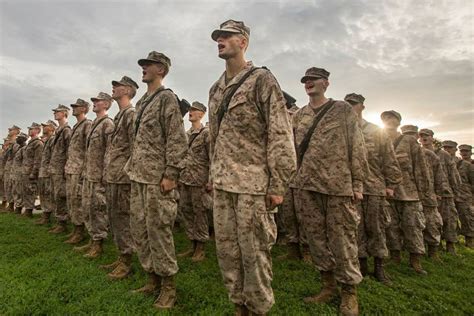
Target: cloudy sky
(415,57)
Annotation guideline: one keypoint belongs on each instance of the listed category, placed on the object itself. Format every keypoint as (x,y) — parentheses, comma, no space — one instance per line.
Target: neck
(62,122)
(81,117)
(154,85)
(123,102)
(101,114)
(317,100)
(234,65)
(196,124)
(391,131)
(33,137)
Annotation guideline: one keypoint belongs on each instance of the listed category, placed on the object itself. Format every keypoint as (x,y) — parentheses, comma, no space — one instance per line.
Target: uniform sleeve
(421,171)
(281,156)
(356,149)
(390,167)
(213,130)
(109,127)
(440,180)
(37,159)
(175,136)
(471,177)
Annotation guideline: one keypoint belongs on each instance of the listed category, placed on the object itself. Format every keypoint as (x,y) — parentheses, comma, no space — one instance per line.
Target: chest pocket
(404,161)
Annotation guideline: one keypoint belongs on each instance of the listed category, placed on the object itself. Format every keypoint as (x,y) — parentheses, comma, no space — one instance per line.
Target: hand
(273,201)
(390,192)
(167,185)
(208,187)
(357,196)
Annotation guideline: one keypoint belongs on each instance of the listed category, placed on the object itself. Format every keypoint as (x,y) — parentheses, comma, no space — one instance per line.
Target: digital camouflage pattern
(194,212)
(152,218)
(59,150)
(76,152)
(331,224)
(31,166)
(243,249)
(120,146)
(77,213)
(160,139)
(196,164)
(17,176)
(251,153)
(448,165)
(44,181)
(464,197)
(118,210)
(93,203)
(292,221)
(335,162)
(8,171)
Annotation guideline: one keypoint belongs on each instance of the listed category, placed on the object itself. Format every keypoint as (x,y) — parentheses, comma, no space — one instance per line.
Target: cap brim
(142,62)
(117,83)
(193,107)
(216,33)
(303,80)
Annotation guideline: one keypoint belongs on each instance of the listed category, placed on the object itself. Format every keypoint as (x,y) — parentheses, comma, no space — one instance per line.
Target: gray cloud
(415,57)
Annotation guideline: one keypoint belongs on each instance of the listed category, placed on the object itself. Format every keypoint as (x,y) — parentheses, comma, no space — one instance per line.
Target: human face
(230,45)
(152,71)
(391,122)
(450,150)
(316,86)
(119,91)
(47,130)
(357,107)
(465,154)
(100,106)
(33,132)
(59,115)
(195,115)
(425,140)
(78,110)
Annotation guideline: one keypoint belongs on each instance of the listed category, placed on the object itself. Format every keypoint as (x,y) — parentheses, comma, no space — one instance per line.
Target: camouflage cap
(354,97)
(125,81)
(426,131)
(315,73)
(155,57)
(50,123)
(14,127)
(449,143)
(407,129)
(231,26)
(198,106)
(102,96)
(393,113)
(81,102)
(34,125)
(22,135)
(465,147)
(62,108)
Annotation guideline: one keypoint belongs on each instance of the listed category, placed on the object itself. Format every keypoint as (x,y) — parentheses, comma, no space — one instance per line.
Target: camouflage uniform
(464,198)
(17,177)
(434,221)
(252,156)
(8,171)
(93,190)
(118,183)
(31,166)
(74,169)
(44,181)
(56,170)
(292,221)
(2,167)
(406,211)
(194,178)
(333,168)
(447,206)
(384,173)
(158,148)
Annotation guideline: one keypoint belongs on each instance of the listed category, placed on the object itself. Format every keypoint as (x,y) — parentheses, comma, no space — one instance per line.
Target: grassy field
(39,274)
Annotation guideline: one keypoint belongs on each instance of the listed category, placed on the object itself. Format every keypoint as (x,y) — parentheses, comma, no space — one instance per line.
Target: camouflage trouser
(374,219)
(434,225)
(93,204)
(74,199)
(152,217)
(8,185)
(118,209)
(45,194)
(245,233)
(18,192)
(30,191)
(58,188)
(292,219)
(406,227)
(330,224)
(191,204)
(466,217)
(448,211)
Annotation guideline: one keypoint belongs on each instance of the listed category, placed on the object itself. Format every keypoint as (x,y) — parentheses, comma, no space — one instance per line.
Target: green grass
(39,274)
